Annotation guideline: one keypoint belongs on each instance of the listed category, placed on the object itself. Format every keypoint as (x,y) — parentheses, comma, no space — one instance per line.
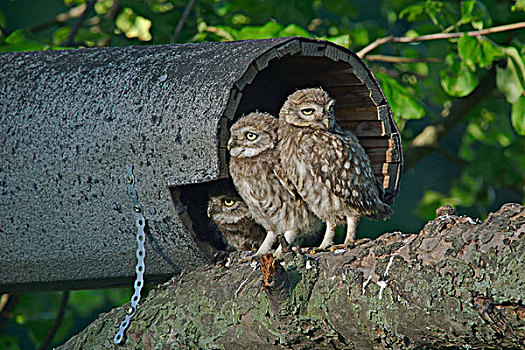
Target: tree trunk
(459,283)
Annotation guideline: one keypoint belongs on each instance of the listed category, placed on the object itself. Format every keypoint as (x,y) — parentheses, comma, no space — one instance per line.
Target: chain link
(140,223)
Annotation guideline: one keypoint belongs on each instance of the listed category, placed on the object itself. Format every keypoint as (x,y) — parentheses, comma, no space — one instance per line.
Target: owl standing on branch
(254,168)
(326,166)
(233,219)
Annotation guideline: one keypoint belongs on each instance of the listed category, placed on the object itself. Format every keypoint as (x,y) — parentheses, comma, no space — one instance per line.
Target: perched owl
(254,168)
(232,217)
(326,166)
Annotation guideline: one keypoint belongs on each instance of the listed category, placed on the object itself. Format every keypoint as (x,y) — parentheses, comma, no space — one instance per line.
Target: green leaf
(508,81)
(477,51)
(268,30)
(443,13)
(513,53)
(294,30)
(518,116)
(402,101)
(360,37)
(343,40)
(413,12)
(491,127)
(518,6)
(60,35)
(469,50)
(133,25)
(475,12)
(21,40)
(457,80)
(489,53)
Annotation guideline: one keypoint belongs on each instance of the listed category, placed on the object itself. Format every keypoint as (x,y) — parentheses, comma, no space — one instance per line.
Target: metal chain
(140,222)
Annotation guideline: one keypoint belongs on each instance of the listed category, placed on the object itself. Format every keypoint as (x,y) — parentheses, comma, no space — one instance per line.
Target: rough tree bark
(459,283)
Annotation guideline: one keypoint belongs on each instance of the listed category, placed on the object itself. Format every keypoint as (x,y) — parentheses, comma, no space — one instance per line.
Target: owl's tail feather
(383,212)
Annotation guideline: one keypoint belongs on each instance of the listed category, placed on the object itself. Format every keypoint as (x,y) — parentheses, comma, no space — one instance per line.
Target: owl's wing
(341,164)
(286,183)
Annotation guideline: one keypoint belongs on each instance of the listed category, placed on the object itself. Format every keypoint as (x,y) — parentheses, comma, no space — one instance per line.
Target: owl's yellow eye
(251,136)
(307,111)
(229,202)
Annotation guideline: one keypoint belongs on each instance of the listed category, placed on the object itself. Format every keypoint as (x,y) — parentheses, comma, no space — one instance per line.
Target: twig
(182,19)
(437,36)
(394,59)
(76,27)
(7,305)
(75,12)
(58,321)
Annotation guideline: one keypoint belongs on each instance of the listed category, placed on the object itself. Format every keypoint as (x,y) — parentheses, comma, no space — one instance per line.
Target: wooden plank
(291,48)
(338,77)
(335,54)
(386,182)
(386,117)
(364,128)
(233,102)
(385,168)
(247,77)
(383,155)
(262,61)
(361,71)
(224,133)
(375,93)
(376,142)
(223,169)
(353,113)
(313,49)
(355,101)
(350,89)
(353,96)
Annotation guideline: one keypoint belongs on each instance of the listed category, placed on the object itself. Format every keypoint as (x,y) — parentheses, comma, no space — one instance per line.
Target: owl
(255,168)
(326,166)
(233,219)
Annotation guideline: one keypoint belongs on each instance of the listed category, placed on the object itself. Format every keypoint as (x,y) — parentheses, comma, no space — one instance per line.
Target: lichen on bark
(457,283)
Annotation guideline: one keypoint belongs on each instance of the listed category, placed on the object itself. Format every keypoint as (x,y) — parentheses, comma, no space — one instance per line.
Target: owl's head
(252,135)
(227,209)
(309,108)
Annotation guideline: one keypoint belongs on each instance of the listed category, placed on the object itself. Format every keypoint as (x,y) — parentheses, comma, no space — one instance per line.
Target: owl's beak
(326,122)
(209,212)
(230,142)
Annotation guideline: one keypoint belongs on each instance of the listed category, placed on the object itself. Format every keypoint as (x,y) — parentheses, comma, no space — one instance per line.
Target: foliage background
(459,104)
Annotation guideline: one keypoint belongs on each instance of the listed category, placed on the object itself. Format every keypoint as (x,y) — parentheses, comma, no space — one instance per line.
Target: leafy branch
(81,19)
(439,36)
(182,19)
(395,59)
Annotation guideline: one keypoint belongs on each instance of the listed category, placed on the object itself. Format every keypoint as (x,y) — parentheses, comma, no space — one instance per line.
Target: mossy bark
(459,283)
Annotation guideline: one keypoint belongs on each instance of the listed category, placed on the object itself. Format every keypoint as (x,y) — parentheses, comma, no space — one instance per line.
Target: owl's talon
(297,250)
(316,250)
(343,246)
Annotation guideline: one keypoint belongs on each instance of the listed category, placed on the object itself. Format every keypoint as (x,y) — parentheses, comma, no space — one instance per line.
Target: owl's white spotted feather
(328,167)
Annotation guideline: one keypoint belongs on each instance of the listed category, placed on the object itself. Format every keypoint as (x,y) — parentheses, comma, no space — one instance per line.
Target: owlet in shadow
(326,166)
(233,219)
(254,168)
